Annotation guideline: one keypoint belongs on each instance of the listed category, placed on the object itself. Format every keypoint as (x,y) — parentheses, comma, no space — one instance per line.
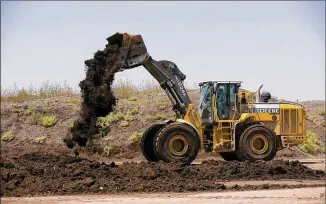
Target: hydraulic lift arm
(134,53)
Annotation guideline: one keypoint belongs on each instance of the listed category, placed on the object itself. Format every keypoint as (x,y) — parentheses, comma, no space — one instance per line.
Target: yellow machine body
(288,123)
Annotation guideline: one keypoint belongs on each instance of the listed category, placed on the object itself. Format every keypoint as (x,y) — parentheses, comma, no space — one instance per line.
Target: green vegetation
(135,137)
(41,139)
(124,124)
(129,118)
(73,101)
(106,121)
(156,117)
(312,145)
(7,136)
(47,121)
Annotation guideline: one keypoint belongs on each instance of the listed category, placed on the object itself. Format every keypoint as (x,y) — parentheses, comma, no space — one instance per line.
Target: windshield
(205,104)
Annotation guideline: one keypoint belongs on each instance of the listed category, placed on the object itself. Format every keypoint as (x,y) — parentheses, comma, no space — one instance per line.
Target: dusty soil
(31,175)
(297,196)
(20,119)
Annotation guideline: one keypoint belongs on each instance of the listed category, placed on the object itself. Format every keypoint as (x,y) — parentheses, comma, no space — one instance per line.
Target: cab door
(222,101)
(227,100)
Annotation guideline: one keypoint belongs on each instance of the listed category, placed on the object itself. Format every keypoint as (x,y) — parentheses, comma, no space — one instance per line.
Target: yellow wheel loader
(238,124)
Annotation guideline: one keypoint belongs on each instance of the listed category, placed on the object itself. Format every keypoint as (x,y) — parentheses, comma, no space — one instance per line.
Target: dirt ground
(35,175)
(20,118)
(286,196)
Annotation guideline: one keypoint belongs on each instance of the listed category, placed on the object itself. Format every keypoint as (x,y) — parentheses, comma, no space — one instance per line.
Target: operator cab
(219,96)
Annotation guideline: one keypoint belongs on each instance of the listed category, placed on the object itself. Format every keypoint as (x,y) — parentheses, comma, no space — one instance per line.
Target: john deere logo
(267,110)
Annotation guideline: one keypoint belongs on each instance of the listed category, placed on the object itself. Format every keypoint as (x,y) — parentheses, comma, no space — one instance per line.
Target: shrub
(124,124)
(41,139)
(106,121)
(8,136)
(133,111)
(312,145)
(135,137)
(47,121)
(322,112)
(129,118)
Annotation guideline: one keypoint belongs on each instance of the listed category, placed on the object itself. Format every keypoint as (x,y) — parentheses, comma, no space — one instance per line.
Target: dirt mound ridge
(51,175)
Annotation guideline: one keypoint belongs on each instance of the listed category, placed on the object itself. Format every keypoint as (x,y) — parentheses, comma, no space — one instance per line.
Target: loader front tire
(147,142)
(177,142)
(258,142)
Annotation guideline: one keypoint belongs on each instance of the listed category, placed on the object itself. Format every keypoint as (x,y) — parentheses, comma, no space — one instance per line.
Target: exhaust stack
(258,97)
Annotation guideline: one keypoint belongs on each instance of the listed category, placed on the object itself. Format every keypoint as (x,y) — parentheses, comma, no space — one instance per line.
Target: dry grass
(47,90)
(73,101)
(124,89)
(322,112)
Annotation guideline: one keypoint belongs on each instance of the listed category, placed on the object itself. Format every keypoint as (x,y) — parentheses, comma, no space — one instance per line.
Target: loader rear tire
(229,156)
(258,142)
(147,142)
(177,142)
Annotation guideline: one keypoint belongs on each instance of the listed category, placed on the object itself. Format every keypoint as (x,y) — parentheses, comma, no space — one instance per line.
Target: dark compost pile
(53,175)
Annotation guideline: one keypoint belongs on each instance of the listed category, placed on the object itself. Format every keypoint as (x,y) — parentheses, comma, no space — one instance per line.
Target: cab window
(232,94)
(205,104)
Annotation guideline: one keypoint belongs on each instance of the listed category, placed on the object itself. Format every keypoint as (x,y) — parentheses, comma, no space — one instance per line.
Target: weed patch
(106,121)
(73,101)
(47,121)
(133,111)
(124,123)
(322,112)
(41,139)
(312,145)
(7,136)
(135,137)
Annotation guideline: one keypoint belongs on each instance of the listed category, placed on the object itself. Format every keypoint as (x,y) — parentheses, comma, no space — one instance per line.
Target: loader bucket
(133,51)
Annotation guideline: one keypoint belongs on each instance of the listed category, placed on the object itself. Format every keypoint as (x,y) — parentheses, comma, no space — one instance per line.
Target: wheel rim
(178,145)
(259,144)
